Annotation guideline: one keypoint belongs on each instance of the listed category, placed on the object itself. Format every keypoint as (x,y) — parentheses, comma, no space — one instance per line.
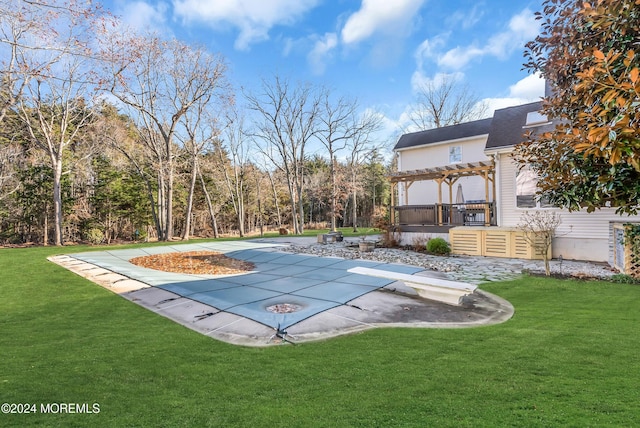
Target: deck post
(487,214)
(450,202)
(392,211)
(439,205)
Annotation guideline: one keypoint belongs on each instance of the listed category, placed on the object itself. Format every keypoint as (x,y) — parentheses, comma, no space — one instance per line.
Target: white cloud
(522,28)
(458,57)
(466,19)
(524,25)
(428,49)
(419,80)
(526,90)
(320,51)
(143,16)
(254,18)
(529,88)
(390,17)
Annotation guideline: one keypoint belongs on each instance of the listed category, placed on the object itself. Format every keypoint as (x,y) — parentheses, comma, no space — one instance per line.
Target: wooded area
(107,135)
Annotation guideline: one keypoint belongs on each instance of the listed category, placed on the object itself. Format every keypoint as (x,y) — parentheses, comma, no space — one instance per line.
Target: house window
(526,187)
(455,154)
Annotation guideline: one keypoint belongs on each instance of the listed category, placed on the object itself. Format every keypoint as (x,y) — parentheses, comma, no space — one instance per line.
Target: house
(463,176)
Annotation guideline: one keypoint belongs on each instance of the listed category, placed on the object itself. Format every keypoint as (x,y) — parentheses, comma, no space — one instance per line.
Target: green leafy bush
(438,246)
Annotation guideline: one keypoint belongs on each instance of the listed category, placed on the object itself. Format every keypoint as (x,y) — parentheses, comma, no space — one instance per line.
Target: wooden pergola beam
(443,172)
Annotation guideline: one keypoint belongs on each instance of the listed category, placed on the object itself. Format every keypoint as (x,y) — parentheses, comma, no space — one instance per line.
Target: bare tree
(198,135)
(539,229)
(211,185)
(443,102)
(286,122)
(202,128)
(57,87)
(361,146)
(30,43)
(161,81)
(338,124)
(236,171)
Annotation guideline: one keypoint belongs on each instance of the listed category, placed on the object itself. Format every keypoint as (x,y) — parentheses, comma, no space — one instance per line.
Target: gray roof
(446,133)
(508,126)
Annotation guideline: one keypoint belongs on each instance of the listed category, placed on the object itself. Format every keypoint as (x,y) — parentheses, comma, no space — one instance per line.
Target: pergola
(449,175)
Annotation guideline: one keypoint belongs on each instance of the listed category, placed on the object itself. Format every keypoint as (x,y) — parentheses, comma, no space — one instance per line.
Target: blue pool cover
(310,284)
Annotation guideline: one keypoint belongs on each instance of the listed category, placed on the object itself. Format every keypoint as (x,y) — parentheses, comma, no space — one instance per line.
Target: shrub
(419,243)
(438,246)
(621,278)
(95,236)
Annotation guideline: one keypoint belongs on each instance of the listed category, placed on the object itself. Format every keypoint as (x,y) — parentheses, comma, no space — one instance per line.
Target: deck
(445,215)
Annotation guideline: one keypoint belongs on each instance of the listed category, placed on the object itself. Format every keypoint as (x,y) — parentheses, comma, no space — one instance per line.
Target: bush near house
(438,246)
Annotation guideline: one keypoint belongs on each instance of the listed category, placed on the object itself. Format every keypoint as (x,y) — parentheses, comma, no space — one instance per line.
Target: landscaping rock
(470,269)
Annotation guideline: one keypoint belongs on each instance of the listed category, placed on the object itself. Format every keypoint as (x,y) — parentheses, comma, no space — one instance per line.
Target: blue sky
(375,50)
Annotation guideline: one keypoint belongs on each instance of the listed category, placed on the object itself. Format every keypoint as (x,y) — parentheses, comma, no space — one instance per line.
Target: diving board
(442,290)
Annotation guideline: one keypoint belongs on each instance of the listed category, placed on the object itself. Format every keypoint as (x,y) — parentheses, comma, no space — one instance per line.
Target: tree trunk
(162,213)
(275,200)
(259,201)
(300,189)
(214,222)
(334,191)
(192,186)
(547,268)
(154,211)
(241,213)
(294,214)
(239,191)
(354,208)
(169,205)
(57,200)
(45,237)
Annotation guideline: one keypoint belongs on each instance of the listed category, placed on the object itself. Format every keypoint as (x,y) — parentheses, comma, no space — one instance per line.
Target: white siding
(581,236)
(435,155)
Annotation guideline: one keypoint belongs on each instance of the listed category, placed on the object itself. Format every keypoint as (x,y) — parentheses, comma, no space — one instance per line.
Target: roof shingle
(508,126)
(446,133)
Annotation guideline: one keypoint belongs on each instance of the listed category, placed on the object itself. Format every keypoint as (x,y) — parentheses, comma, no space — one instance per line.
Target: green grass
(569,357)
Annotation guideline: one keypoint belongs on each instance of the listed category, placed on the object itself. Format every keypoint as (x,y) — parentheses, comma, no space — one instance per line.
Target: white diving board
(442,290)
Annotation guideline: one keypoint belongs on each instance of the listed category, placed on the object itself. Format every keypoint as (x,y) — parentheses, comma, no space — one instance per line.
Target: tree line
(107,134)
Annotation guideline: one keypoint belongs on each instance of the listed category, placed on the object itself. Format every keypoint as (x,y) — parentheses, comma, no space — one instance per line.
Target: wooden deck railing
(467,214)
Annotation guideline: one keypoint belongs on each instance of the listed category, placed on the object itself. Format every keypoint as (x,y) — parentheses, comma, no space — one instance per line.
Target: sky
(377,51)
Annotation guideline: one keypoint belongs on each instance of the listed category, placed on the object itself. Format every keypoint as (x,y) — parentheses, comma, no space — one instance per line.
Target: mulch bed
(195,263)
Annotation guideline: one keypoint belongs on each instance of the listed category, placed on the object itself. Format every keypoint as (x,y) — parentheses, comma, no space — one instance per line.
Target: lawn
(569,357)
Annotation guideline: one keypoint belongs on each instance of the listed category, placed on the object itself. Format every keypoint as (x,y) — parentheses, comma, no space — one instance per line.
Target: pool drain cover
(284,308)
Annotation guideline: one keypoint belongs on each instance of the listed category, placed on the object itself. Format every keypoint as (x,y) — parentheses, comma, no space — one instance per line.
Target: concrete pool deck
(231,308)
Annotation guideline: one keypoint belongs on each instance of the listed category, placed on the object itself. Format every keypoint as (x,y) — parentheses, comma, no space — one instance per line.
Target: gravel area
(460,268)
